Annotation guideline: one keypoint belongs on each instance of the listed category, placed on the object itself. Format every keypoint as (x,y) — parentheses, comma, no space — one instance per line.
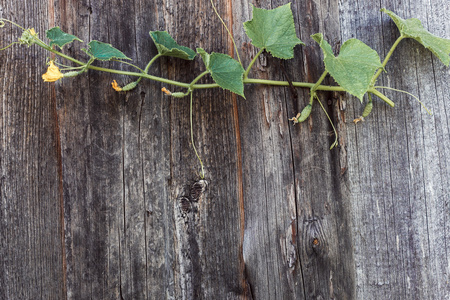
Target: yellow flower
(166,91)
(116,86)
(32,31)
(53,73)
(358,120)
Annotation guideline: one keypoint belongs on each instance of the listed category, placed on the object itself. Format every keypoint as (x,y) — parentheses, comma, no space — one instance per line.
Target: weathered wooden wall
(96,197)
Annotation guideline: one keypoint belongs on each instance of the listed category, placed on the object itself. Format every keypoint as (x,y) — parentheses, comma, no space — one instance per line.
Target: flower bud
(27,37)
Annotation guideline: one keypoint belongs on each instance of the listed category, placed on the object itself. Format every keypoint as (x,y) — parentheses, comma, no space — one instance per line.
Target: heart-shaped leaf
(413,28)
(355,66)
(167,46)
(104,51)
(227,72)
(273,30)
(59,37)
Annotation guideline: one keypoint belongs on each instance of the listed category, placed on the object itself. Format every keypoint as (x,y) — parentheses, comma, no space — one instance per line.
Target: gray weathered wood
(398,166)
(100,195)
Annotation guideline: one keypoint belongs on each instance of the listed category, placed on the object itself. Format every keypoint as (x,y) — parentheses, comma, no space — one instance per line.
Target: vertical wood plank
(31,263)
(396,160)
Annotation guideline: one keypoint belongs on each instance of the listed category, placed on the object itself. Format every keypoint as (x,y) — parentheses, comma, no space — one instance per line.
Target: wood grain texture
(398,166)
(100,194)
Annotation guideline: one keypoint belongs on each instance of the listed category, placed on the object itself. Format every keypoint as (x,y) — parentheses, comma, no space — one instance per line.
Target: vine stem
(197,79)
(151,62)
(322,77)
(2,22)
(252,62)
(331,122)
(381,96)
(229,33)
(386,59)
(405,92)
(294,83)
(202,174)
(191,85)
(148,66)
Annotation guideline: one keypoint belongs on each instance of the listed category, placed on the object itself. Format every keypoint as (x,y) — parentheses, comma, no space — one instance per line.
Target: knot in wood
(197,189)
(185,204)
(315,241)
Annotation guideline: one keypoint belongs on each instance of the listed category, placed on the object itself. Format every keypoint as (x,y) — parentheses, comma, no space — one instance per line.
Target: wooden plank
(396,170)
(92,148)
(31,263)
(282,172)
(208,230)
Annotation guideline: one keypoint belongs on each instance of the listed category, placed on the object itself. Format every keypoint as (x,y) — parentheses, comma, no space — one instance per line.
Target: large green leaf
(273,30)
(167,46)
(227,72)
(104,51)
(413,28)
(59,37)
(355,66)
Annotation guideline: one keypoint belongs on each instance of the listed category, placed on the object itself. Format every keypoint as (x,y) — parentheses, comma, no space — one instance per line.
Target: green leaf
(205,57)
(59,37)
(355,66)
(104,51)
(413,28)
(167,46)
(273,30)
(227,72)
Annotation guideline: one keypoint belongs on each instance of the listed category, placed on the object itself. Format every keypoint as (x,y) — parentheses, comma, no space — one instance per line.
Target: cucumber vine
(355,70)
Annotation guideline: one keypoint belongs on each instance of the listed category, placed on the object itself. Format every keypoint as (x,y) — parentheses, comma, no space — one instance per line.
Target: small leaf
(273,30)
(413,28)
(355,66)
(167,46)
(104,51)
(59,37)
(205,57)
(227,72)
